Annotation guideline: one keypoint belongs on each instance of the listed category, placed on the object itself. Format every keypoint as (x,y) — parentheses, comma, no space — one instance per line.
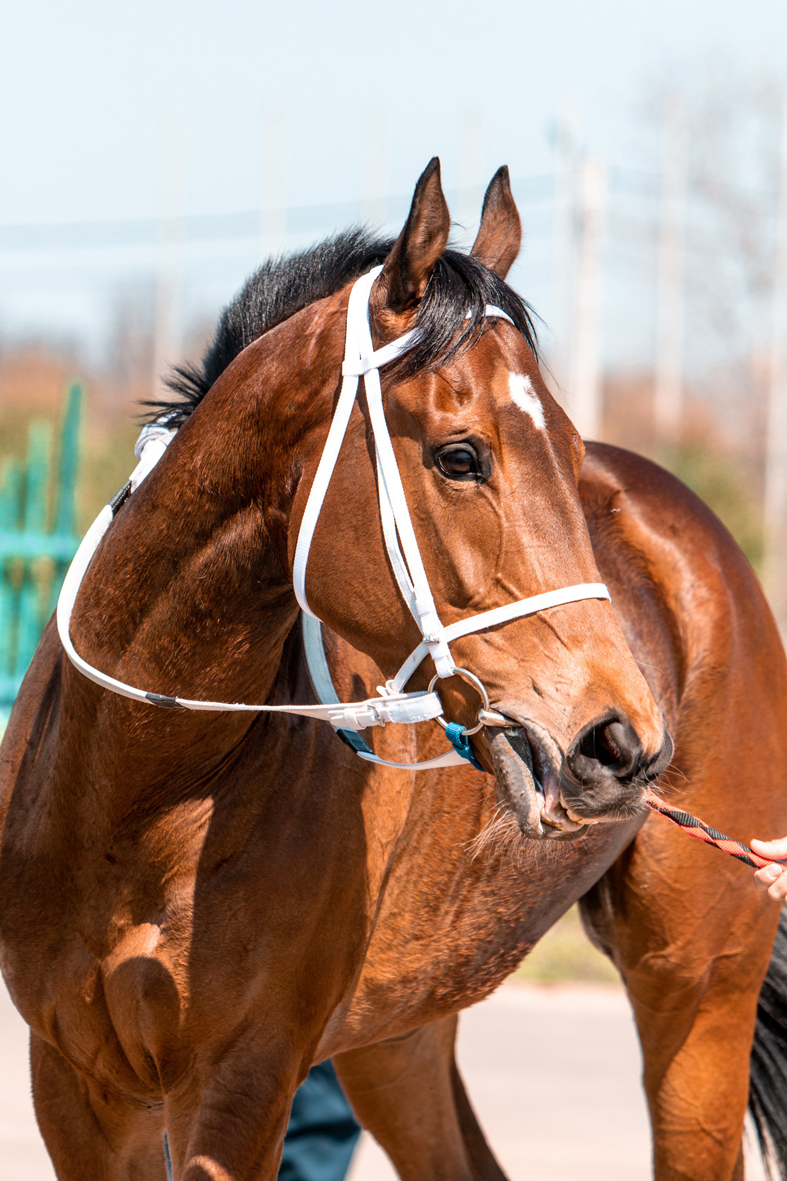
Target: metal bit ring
(473,680)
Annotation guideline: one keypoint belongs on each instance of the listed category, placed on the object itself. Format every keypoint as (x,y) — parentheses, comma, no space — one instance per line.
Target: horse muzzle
(602,778)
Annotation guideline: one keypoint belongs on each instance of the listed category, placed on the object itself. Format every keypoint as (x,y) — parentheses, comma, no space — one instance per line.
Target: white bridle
(393,704)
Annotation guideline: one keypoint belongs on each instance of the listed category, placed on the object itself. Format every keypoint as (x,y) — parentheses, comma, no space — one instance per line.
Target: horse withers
(196,906)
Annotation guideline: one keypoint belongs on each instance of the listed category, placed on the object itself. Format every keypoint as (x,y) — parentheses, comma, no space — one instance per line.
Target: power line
(144,231)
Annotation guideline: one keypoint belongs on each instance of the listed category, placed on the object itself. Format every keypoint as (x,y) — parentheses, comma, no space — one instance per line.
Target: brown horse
(196,907)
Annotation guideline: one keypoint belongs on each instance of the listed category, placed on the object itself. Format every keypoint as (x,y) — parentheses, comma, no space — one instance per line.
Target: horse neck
(189,595)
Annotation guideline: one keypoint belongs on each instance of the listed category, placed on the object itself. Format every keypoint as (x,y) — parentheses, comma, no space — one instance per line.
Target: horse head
(489,464)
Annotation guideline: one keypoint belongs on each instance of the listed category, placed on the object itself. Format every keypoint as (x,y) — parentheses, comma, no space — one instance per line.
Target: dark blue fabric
(322,1132)
(352,738)
(455,733)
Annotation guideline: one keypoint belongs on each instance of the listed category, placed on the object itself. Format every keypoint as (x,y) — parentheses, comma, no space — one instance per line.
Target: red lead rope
(703,832)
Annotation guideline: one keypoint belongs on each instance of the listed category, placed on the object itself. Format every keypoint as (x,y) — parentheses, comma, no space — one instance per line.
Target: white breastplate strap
(393,705)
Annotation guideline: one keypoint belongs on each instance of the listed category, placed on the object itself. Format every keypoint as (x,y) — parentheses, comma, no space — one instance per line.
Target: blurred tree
(721,481)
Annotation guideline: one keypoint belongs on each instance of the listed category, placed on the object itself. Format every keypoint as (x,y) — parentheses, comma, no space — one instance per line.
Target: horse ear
(421,242)
(500,233)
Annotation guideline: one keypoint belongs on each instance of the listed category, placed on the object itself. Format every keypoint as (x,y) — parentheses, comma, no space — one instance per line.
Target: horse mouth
(529,786)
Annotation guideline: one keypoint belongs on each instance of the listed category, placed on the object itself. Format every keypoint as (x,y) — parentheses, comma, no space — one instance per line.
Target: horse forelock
(451,314)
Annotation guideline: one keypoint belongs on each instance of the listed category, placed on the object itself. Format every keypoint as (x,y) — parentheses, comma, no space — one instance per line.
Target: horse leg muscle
(692,949)
(88,1131)
(409,1094)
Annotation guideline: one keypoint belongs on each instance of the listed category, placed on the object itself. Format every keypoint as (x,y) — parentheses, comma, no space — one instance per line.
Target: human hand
(772,878)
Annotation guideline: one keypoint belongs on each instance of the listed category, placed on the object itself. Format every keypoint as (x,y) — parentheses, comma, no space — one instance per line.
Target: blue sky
(85,86)
(89,90)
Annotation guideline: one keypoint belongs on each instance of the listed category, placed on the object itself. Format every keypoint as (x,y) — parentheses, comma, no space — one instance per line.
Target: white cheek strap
(361,359)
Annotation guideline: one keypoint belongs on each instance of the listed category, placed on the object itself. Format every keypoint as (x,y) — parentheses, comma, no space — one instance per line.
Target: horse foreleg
(227,1120)
(692,947)
(409,1094)
(89,1132)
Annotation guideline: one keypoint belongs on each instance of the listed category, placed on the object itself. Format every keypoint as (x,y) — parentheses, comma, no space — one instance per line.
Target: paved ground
(553,1073)
(554,1077)
(22,1153)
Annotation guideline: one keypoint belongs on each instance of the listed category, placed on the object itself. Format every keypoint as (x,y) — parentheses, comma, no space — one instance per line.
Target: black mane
(283,286)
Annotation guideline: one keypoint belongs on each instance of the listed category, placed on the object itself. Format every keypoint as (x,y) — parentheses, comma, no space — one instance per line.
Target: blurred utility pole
(167,342)
(471,178)
(564,260)
(776,442)
(375,163)
(275,184)
(668,387)
(584,392)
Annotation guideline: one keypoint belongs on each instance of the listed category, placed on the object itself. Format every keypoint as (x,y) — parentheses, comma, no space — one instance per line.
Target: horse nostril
(611,744)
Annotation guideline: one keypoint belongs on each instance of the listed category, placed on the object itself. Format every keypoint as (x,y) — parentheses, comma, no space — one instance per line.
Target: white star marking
(523,394)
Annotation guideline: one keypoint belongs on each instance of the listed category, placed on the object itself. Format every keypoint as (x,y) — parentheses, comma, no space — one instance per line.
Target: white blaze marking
(523,394)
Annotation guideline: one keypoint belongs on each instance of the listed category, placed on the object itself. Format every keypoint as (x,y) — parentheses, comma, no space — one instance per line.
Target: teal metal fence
(37,540)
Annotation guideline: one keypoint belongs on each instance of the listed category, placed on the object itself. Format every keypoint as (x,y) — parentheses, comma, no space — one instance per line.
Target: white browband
(394,704)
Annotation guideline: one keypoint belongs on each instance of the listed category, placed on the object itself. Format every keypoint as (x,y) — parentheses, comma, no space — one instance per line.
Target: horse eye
(458,462)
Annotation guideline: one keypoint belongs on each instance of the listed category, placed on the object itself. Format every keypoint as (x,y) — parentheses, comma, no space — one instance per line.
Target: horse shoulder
(689,602)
